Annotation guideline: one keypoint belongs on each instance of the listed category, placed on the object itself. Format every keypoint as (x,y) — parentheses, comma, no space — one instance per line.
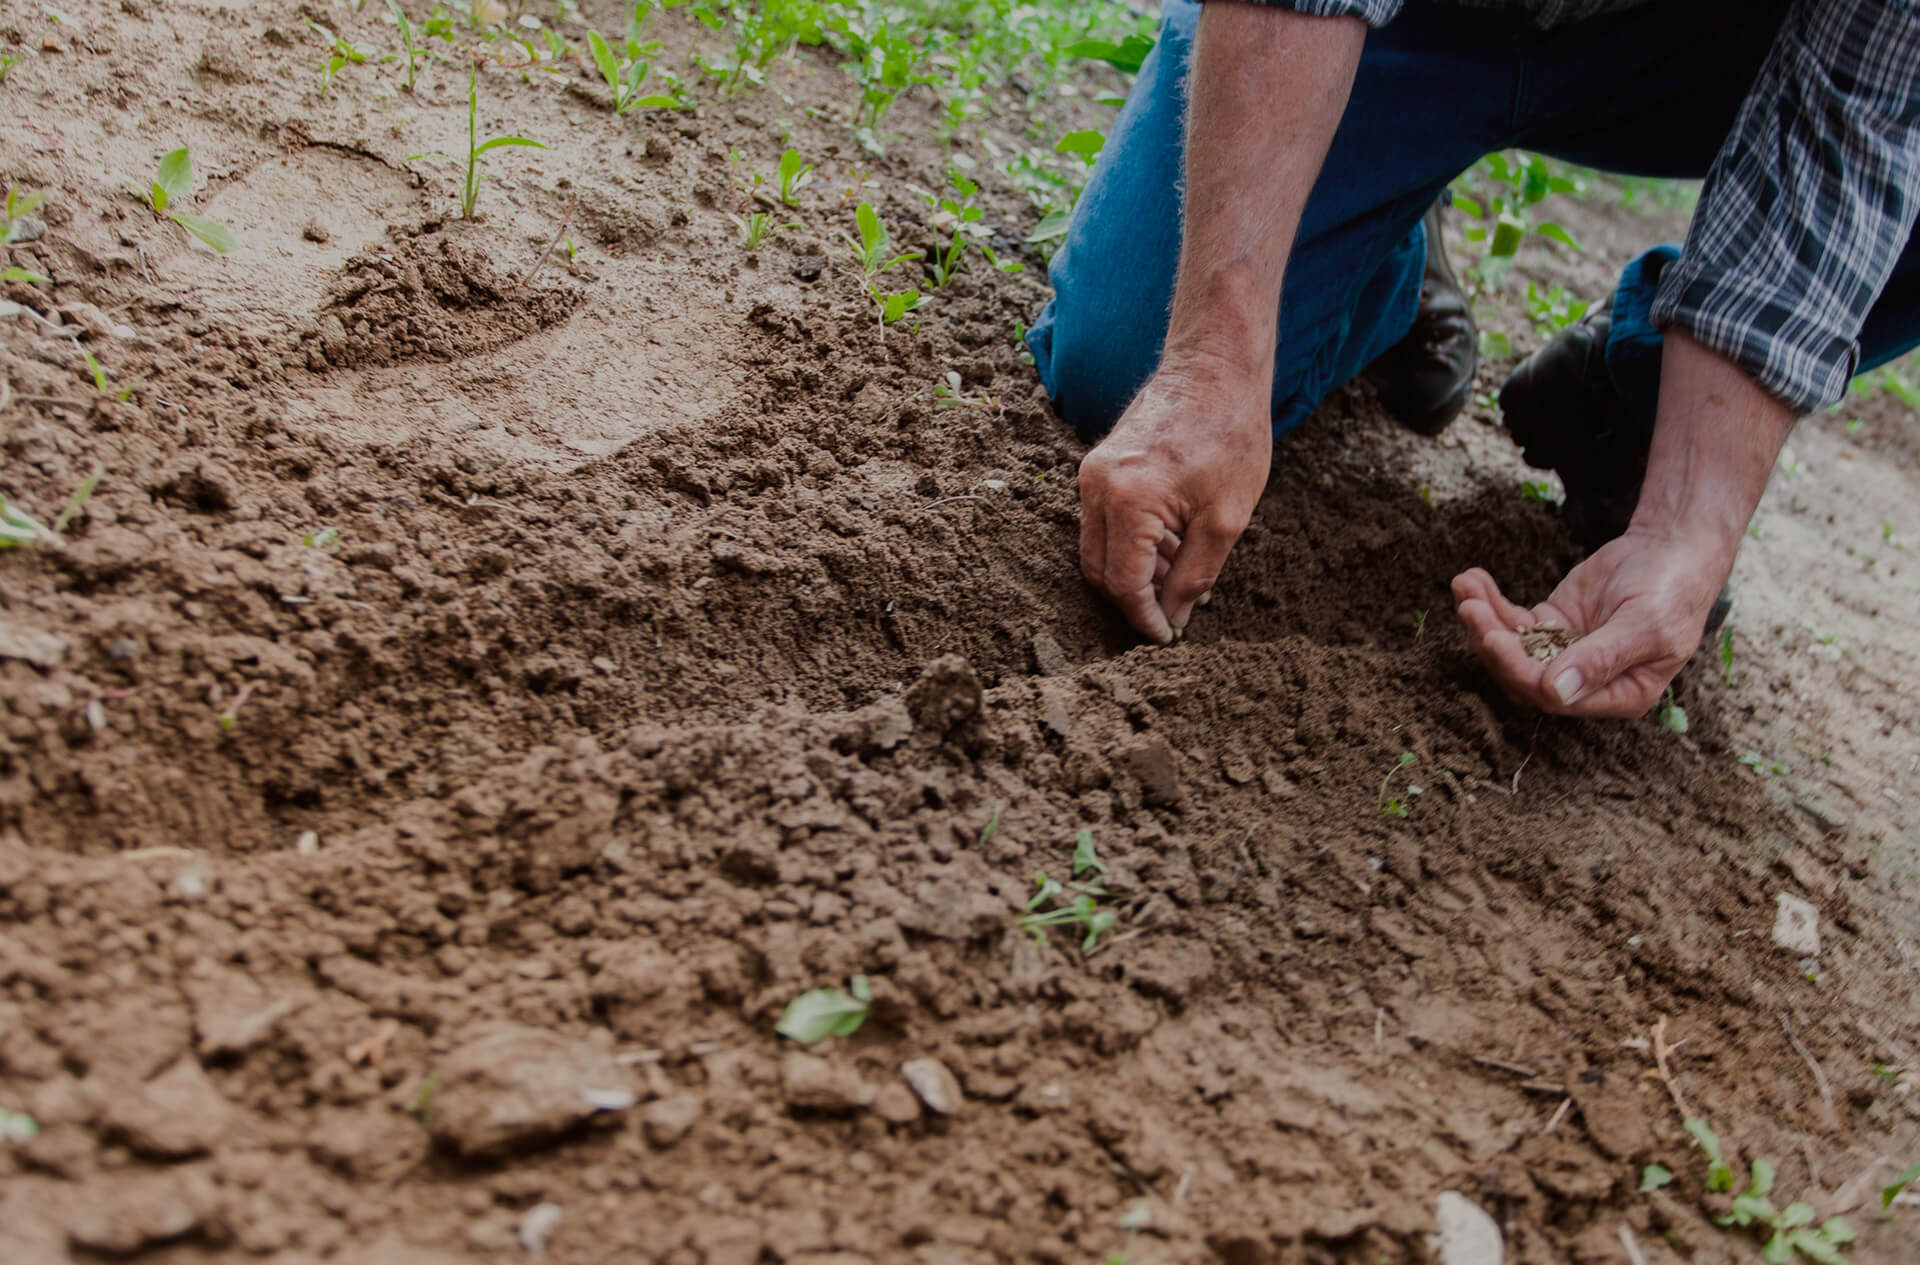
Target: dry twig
(1819,1074)
(1660,1051)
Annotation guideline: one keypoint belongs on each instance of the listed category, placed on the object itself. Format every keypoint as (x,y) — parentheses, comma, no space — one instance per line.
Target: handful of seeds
(1544,641)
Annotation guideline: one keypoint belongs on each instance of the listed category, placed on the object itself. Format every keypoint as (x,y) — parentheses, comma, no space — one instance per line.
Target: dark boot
(1426,378)
(1561,408)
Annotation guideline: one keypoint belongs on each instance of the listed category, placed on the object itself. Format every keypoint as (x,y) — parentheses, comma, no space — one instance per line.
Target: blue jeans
(1650,92)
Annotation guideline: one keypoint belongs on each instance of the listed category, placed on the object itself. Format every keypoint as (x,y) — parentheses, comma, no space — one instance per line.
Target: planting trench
(682,650)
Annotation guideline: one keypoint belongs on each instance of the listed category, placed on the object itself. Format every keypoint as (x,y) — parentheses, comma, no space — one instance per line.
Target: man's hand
(1638,604)
(1168,492)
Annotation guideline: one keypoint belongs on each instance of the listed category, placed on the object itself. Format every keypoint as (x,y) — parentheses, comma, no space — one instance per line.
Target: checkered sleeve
(1372,12)
(1809,203)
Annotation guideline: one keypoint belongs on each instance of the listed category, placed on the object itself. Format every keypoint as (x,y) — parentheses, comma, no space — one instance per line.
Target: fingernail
(1206,597)
(1567,685)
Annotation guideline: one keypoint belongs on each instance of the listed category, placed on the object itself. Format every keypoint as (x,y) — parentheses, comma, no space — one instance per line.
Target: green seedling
(172,181)
(1719,1172)
(796,173)
(959,212)
(1763,766)
(18,528)
(1085,144)
(476,148)
(626,70)
(1672,716)
(7,62)
(327,539)
(1419,624)
(1539,491)
(871,252)
(757,226)
(13,218)
(1790,1229)
(412,39)
(1654,1177)
(1553,309)
(1726,656)
(1519,182)
(1390,806)
(1081,897)
(422,1104)
(17,1126)
(826,1012)
(342,53)
(991,830)
(1126,56)
(1890,1193)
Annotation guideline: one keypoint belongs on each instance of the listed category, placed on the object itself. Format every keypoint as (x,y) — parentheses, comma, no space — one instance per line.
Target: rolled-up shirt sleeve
(1809,204)
(1372,12)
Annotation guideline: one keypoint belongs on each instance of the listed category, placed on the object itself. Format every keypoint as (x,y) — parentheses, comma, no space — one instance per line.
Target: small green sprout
(413,51)
(1890,1193)
(1085,144)
(1763,766)
(1419,624)
(422,1104)
(13,218)
(476,148)
(796,173)
(327,539)
(1672,716)
(757,226)
(1792,1227)
(1719,1173)
(626,70)
(871,252)
(1726,656)
(1084,857)
(18,528)
(1389,806)
(1654,1176)
(342,53)
(1081,896)
(826,1012)
(1539,491)
(989,831)
(172,181)
(17,1126)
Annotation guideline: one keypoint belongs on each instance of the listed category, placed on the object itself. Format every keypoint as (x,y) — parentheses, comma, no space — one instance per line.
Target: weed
(871,252)
(412,40)
(342,53)
(18,528)
(7,62)
(796,173)
(1553,309)
(826,1012)
(1390,807)
(1890,1193)
(627,70)
(172,181)
(1791,1228)
(1082,896)
(1672,716)
(476,148)
(1654,1177)
(13,218)
(757,226)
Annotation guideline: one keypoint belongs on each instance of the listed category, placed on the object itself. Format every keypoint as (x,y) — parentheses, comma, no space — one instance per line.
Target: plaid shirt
(1809,203)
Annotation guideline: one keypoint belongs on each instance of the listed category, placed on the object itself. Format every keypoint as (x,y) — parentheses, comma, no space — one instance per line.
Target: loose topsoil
(667,646)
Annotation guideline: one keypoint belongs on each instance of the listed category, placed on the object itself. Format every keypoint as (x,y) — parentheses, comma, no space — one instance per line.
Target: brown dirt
(678,649)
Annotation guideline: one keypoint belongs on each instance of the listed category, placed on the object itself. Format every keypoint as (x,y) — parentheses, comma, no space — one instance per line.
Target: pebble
(1048,657)
(667,1120)
(1796,928)
(537,1225)
(896,1104)
(811,1083)
(513,1085)
(934,1085)
(1468,1236)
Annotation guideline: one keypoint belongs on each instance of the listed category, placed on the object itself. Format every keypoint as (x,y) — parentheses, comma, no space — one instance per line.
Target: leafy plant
(1086,144)
(342,53)
(13,218)
(1082,896)
(1654,1176)
(1890,1193)
(1791,1228)
(1519,182)
(413,48)
(1553,309)
(627,70)
(757,226)
(1672,716)
(796,173)
(18,528)
(476,148)
(1390,806)
(958,212)
(172,181)
(871,252)
(1726,656)
(1539,491)
(826,1012)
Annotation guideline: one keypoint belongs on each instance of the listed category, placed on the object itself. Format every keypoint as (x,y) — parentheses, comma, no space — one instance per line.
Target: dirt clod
(513,1086)
(934,1085)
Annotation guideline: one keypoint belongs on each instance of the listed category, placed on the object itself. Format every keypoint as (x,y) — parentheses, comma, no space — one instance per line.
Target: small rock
(41,649)
(810,1083)
(1151,762)
(1278,784)
(934,1084)
(514,1085)
(896,1104)
(667,1120)
(1796,928)
(316,232)
(1044,1098)
(1048,657)
(537,1225)
(176,1114)
(308,843)
(1467,1235)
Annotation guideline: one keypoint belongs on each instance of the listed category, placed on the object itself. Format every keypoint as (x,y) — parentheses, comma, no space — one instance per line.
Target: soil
(429,892)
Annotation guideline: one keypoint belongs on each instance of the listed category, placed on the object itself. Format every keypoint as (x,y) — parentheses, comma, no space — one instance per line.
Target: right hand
(1166,494)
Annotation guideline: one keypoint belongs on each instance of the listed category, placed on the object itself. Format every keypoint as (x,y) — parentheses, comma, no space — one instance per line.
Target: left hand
(1638,605)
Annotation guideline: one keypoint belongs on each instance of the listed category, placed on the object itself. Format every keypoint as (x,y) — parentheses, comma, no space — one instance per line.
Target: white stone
(1467,1235)
(537,1225)
(1796,928)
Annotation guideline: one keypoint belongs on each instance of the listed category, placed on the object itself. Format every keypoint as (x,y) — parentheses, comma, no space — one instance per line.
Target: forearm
(1716,436)
(1268,89)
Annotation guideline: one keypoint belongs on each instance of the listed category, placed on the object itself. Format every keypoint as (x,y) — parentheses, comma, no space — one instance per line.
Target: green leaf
(1084,857)
(992,828)
(218,237)
(1811,1245)
(1506,237)
(1127,55)
(898,305)
(1654,1176)
(1470,206)
(1778,1250)
(1890,1193)
(499,141)
(604,59)
(1796,1214)
(1703,1134)
(1052,225)
(1085,142)
(98,372)
(873,234)
(653,101)
(23,274)
(1556,233)
(174,178)
(1761,1182)
(157,199)
(1836,1229)
(823,1013)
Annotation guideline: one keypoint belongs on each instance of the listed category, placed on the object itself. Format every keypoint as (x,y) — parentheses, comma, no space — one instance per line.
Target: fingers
(1210,538)
(1132,566)
(1615,672)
